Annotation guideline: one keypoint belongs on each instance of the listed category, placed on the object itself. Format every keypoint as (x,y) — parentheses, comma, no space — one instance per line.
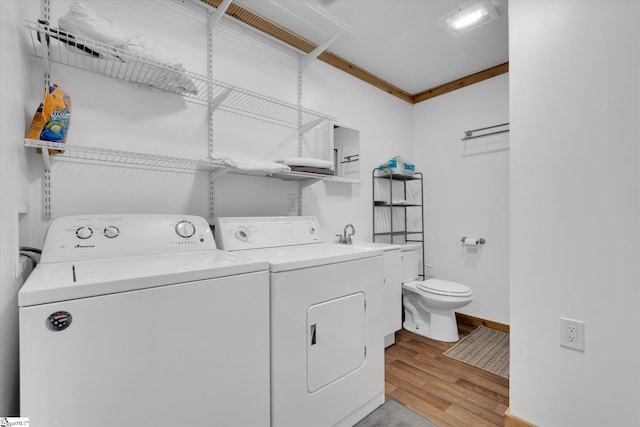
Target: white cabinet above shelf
(90,55)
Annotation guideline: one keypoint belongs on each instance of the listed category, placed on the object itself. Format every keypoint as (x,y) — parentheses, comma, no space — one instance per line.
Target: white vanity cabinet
(392,288)
(392,293)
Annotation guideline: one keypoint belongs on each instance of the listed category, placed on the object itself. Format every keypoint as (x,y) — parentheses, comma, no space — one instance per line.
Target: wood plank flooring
(448,392)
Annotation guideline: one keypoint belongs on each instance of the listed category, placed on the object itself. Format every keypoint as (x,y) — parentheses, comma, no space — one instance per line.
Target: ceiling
(397,41)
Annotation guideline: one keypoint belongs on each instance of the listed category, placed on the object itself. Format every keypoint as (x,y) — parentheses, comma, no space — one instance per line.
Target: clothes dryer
(327,353)
(139,320)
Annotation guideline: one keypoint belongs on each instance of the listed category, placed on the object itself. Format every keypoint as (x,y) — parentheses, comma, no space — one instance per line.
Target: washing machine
(327,352)
(139,320)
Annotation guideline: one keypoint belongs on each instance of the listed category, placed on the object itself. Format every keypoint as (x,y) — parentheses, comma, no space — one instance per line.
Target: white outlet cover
(572,333)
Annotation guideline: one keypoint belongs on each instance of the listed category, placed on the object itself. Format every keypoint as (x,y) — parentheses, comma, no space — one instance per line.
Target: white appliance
(327,353)
(392,288)
(138,320)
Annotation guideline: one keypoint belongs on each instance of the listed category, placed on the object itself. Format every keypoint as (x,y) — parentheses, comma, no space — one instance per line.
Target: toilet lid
(444,287)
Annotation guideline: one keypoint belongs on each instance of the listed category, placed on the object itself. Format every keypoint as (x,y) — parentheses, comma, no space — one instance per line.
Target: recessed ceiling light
(468,16)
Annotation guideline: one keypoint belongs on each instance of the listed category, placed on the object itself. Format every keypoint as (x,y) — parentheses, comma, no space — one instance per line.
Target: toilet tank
(410,261)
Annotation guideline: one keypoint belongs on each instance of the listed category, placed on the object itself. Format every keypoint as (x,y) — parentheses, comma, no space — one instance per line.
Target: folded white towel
(262,166)
(84,22)
(306,161)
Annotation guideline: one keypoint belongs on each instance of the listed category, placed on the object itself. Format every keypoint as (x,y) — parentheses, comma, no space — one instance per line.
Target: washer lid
(444,287)
(63,281)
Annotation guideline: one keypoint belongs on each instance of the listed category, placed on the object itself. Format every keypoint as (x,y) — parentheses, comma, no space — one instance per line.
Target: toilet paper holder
(473,241)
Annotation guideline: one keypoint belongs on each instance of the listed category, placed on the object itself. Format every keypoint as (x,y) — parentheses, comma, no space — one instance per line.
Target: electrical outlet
(572,333)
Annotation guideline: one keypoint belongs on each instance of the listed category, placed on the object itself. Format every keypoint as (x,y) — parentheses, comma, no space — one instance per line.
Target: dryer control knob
(111,232)
(185,229)
(84,232)
(243,234)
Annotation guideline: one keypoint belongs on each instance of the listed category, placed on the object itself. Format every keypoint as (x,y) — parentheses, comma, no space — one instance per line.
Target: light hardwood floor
(448,392)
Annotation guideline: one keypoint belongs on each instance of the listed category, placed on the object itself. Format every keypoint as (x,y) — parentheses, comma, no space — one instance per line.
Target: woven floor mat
(484,348)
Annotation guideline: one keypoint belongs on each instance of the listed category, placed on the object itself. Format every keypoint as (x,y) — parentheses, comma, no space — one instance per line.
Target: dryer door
(335,340)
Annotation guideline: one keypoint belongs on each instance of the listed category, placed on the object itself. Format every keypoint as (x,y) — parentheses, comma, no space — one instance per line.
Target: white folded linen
(306,161)
(262,166)
(399,202)
(84,22)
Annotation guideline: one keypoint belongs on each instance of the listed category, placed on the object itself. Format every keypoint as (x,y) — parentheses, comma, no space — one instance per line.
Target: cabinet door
(392,299)
(318,142)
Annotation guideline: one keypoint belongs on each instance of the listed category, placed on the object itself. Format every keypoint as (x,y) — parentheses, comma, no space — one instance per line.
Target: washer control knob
(111,231)
(243,234)
(84,232)
(185,229)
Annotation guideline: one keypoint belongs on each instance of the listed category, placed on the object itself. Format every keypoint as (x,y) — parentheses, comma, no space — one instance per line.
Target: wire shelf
(93,154)
(86,54)
(68,151)
(398,176)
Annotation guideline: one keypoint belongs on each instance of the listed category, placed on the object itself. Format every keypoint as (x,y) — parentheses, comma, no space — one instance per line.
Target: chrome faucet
(346,238)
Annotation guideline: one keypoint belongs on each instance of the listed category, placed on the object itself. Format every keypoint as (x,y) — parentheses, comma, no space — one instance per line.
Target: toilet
(429,305)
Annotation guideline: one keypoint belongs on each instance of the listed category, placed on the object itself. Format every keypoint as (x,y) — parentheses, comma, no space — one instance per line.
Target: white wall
(14,197)
(575,209)
(112,114)
(466,191)
(385,129)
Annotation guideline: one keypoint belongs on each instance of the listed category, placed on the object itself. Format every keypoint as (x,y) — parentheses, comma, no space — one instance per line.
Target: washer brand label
(83,246)
(58,321)
(12,421)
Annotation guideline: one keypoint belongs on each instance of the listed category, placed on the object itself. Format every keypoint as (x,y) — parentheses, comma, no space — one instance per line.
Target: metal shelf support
(211,21)
(311,56)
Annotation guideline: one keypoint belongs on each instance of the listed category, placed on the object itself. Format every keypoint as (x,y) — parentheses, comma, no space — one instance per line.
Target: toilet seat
(444,287)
